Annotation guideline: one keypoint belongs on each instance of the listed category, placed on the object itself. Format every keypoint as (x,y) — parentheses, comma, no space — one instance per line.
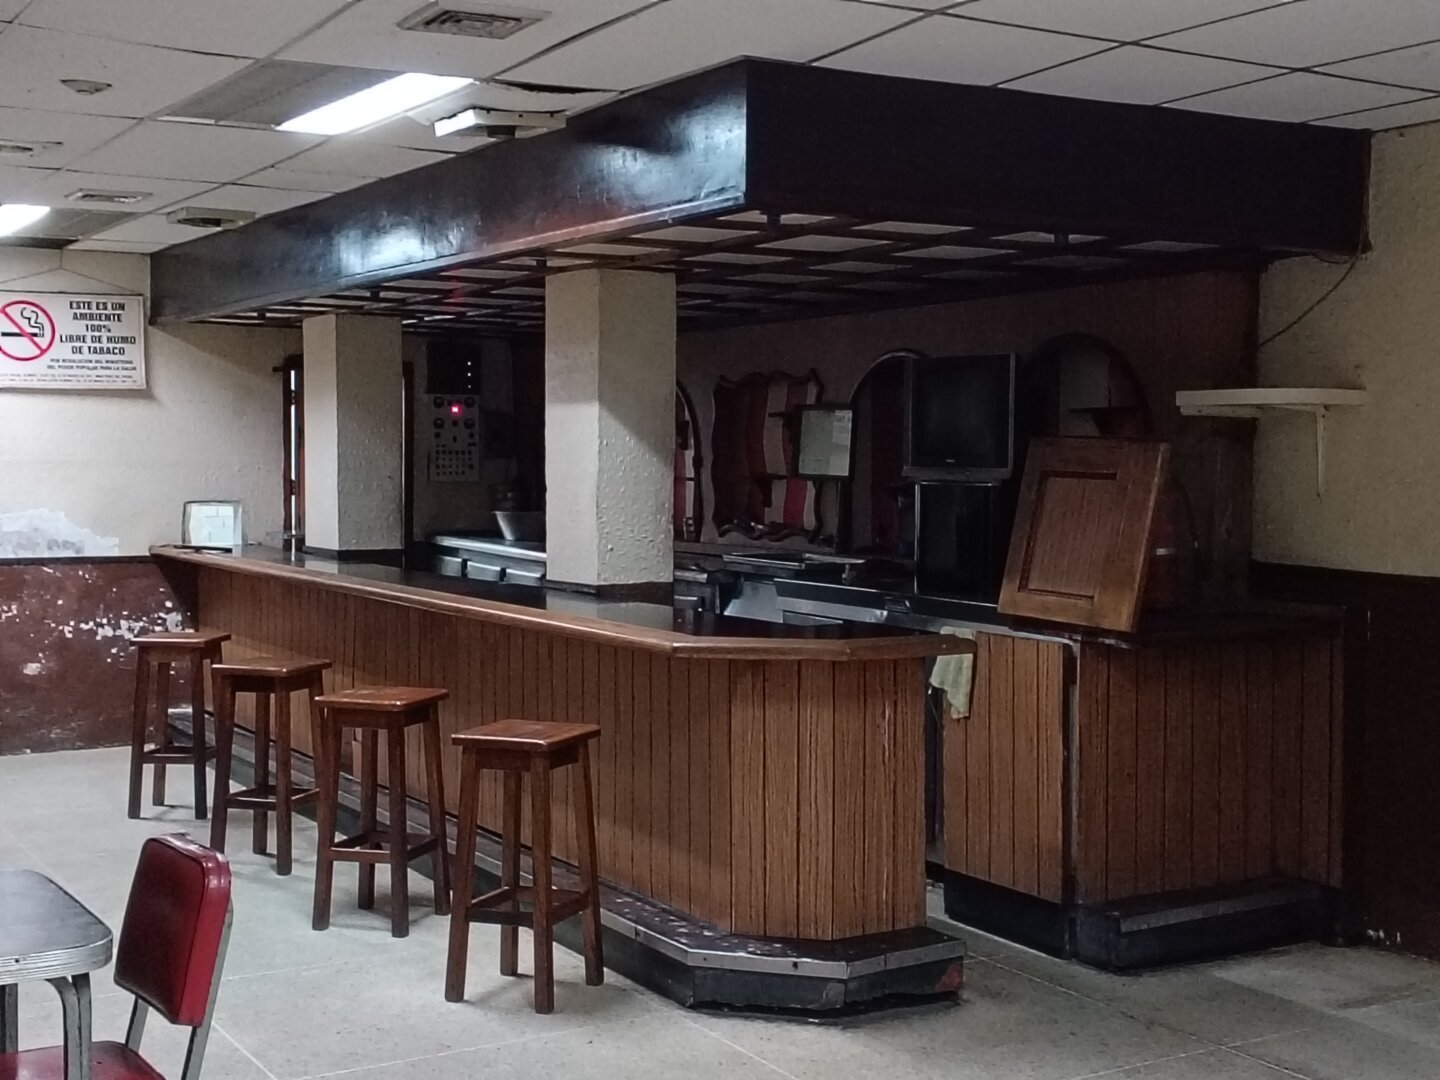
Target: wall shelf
(1251,403)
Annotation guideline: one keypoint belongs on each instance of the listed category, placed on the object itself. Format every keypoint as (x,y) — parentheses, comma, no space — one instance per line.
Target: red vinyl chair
(172,947)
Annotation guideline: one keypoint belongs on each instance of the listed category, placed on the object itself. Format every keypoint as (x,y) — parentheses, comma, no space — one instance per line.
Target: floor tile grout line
(1144,1064)
(736,1046)
(1269,1064)
(236,1043)
(533,1037)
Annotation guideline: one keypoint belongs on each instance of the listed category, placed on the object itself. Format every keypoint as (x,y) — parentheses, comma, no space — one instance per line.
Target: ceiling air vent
(25,147)
(208,217)
(101,197)
(468,18)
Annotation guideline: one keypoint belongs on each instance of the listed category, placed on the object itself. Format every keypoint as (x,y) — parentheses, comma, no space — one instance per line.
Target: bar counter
(767,779)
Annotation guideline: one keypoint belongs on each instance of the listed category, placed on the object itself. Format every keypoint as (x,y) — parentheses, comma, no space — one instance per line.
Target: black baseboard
(1015,916)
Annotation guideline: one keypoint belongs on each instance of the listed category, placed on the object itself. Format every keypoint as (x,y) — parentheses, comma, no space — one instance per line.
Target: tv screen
(960,418)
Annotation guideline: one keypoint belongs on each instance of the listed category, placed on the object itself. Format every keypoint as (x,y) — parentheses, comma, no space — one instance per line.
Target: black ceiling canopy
(774,190)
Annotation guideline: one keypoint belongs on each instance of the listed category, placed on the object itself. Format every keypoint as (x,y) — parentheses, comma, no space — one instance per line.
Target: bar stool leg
(510,869)
(224,750)
(283,815)
(369,799)
(327,737)
(399,863)
(589,875)
(260,826)
(162,725)
(440,861)
(197,733)
(544,930)
(459,955)
(138,724)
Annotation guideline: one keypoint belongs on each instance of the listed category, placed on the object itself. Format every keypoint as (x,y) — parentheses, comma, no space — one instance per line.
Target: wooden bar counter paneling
(770,787)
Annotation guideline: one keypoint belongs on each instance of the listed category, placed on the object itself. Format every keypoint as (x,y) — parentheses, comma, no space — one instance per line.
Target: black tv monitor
(960,418)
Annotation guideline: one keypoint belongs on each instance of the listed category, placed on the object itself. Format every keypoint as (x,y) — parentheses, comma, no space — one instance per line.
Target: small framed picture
(212,524)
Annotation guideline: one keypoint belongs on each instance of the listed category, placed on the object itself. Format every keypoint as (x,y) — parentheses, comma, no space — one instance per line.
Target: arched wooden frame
(689,466)
(851,490)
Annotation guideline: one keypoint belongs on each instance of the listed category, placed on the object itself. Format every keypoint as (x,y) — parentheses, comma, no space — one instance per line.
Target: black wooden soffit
(788,140)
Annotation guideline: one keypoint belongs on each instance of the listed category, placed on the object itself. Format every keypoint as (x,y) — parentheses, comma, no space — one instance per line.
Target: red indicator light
(455,410)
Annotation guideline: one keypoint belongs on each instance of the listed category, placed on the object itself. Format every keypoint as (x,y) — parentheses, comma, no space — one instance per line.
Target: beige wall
(118,464)
(1381,331)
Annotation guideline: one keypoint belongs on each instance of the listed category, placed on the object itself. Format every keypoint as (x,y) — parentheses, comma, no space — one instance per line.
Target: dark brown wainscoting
(66,667)
(1392,745)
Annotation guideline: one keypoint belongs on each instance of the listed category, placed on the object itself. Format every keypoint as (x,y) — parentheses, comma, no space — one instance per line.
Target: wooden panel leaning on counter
(767,786)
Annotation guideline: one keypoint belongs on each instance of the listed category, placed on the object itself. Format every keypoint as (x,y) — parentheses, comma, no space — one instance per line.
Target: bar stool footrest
(373,845)
(174,755)
(266,797)
(486,909)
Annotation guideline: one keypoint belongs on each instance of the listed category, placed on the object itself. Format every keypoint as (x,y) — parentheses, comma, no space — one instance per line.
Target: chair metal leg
(544,929)
(135,1030)
(138,725)
(197,734)
(9,1018)
(399,862)
(459,954)
(162,727)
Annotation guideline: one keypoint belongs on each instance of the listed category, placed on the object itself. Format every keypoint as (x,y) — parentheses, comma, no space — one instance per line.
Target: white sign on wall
(66,341)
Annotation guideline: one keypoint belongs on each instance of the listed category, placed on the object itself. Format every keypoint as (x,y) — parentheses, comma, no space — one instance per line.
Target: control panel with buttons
(455,439)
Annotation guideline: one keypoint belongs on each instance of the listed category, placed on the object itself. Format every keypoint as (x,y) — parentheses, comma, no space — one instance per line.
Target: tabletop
(45,933)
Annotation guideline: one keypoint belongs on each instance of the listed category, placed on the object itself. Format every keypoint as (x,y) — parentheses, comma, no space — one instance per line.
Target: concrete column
(610,428)
(354,434)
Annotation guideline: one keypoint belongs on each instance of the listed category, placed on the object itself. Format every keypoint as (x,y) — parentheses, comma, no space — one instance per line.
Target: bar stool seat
(155,653)
(371,710)
(518,747)
(270,679)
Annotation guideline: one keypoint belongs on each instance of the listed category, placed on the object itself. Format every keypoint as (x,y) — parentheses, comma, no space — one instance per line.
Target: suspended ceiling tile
(58,188)
(248,28)
(1118,20)
(76,133)
(1418,66)
(256,200)
(954,49)
(194,151)
(759,217)
(19,184)
(952,251)
(1423,111)
(1314,32)
(1166,246)
(367,35)
(1298,97)
(822,243)
(919,228)
(1077,262)
(10,8)
(855,266)
(302,180)
(689,234)
(351,157)
(741,258)
(407,133)
(152,229)
(131,247)
(146,79)
(1049,237)
(681,36)
(1142,76)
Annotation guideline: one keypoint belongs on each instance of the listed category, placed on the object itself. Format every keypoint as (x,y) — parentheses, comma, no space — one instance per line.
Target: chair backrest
(174,927)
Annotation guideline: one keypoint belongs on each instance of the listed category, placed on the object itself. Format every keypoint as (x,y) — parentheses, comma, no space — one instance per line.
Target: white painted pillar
(354,434)
(610,428)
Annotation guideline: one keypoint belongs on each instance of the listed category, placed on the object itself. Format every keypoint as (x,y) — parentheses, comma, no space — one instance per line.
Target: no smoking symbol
(27,332)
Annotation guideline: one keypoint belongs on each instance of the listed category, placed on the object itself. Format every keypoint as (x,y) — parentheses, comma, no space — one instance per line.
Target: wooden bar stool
(391,709)
(269,678)
(154,655)
(517,747)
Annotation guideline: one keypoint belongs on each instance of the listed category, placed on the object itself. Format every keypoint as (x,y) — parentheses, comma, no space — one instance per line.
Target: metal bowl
(521,524)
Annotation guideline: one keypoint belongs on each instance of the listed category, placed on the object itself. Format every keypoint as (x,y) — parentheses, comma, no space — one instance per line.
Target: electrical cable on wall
(1298,319)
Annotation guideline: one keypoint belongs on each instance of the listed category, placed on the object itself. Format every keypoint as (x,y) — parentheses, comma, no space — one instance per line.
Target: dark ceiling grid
(792,281)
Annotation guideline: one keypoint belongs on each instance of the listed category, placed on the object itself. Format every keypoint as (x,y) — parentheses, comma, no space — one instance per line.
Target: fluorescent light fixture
(15,216)
(373,104)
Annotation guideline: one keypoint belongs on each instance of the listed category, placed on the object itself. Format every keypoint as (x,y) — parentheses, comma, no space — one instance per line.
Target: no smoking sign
(27,332)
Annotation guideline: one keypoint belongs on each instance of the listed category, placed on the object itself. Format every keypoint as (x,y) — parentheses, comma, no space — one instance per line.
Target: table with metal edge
(45,933)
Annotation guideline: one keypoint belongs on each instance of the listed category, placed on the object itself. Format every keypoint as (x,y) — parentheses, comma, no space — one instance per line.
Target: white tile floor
(354,1001)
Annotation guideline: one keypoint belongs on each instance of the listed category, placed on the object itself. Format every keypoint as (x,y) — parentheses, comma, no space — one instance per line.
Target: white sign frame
(72,341)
